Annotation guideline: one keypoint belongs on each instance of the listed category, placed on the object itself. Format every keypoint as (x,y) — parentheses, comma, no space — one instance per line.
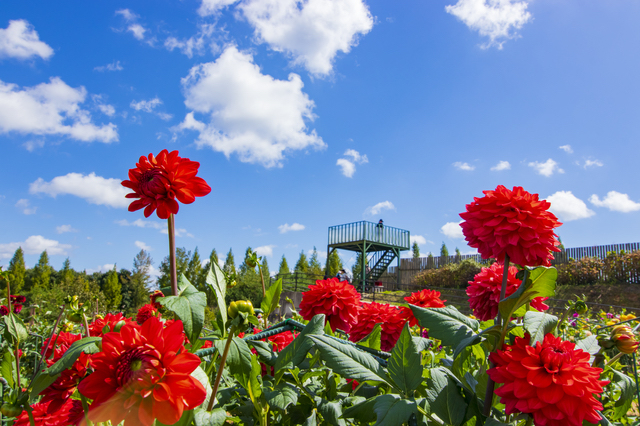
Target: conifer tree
(315,268)
(112,290)
(17,269)
(416,250)
(213,257)
(458,255)
(283,269)
(66,273)
(182,264)
(444,254)
(142,269)
(42,272)
(264,265)
(334,264)
(430,261)
(229,264)
(302,265)
(194,269)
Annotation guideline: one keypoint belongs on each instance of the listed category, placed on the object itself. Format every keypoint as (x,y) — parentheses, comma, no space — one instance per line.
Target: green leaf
(282,395)
(7,365)
(538,324)
(189,306)
(348,361)
(200,375)
(238,359)
(372,340)
(14,329)
(255,381)
(404,365)
(392,410)
(467,341)
(87,345)
(272,298)
(265,352)
(312,420)
(590,345)
(362,412)
(490,421)
(218,284)
(541,282)
(297,350)
(331,411)
(446,324)
(217,417)
(444,397)
(40,383)
(627,388)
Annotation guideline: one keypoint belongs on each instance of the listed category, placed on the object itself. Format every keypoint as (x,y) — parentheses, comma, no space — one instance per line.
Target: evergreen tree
(182,264)
(284,266)
(416,250)
(334,264)
(302,266)
(249,286)
(42,272)
(213,257)
(67,274)
(458,255)
(356,269)
(112,290)
(17,269)
(265,271)
(194,269)
(229,267)
(315,268)
(142,269)
(444,254)
(248,275)
(430,261)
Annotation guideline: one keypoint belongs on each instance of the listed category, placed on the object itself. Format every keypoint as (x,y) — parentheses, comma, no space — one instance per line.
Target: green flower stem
(53,331)
(8,293)
(264,294)
(635,373)
(172,253)
(529,421)
(615,358)
(85,408)
(488,398)
(221,368)
(32,421)
(86,326)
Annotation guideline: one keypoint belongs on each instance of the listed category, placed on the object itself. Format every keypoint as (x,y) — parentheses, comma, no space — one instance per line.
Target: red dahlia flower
(484,291)
(425,299)
(552,381)
(4,311)
(59,344)
(146,312)
(155,296)
(100,326)
(514,223)
(143,373)
(65,385)
(373,313)
(158,181)
(338,300)
(44,414)
(16,298)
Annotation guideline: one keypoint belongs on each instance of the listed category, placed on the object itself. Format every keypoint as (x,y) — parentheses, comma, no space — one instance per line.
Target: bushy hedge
(453,275)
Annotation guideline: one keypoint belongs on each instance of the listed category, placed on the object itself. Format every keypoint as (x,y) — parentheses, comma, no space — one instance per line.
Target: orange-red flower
(65,385)
(45,414)
(337,300)
(484,291)
(158,181)
(425,299)
(373,313)
(100,326)
(552,381)
(511,222)
(145,312)
(143,373)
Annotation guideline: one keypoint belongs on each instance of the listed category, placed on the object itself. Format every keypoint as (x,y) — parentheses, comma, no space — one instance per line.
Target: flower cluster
(16,303)
(158,181)
(514,223)
(425,299)
(338,300)
(552,381)
(388,316)
(109,322)
(484,291)
(48,414)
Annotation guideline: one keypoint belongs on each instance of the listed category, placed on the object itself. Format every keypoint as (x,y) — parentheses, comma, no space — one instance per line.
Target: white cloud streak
(463,166)
(142,246)
(548,168)
(265,250)
(140,223)
(26,207)
(374,210)
(566,148)
(195,45)
(417,239)
(568,207)
(502,165)
(94,189)
(21,41)
(293,227)
(35,244)
(592,163)
(65,228)
(615,201)
(114,66)
(349,166)
(452,230)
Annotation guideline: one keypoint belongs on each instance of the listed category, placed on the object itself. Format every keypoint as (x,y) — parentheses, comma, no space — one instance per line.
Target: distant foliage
(454,275)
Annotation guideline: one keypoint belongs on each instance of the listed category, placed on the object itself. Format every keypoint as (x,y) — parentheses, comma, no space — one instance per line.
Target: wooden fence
(600,252)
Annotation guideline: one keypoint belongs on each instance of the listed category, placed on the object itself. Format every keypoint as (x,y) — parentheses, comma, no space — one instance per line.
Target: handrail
(369,231)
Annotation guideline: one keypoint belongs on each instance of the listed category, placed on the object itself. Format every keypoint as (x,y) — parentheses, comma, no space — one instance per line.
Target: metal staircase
(378,263)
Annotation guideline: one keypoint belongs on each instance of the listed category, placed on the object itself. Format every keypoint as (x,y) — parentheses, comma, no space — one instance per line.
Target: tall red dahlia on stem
(514,223)
(158,181)
(484,291)
(338,300)
(425,299)
(373,313)
(552,381)
(143,373)
(100,326)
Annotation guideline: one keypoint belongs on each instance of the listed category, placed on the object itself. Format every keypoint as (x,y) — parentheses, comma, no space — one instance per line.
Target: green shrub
(453,275)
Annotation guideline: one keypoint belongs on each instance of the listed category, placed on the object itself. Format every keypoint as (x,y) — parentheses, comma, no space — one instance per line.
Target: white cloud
(133,26)
(498,20)
(146,106)
(568,207)
(102,268)
(20,40)
(140,223)
(349,166)
(35,244)
(104,108)
(265,250)
(593,163)
(94,189)
(357,157)
(65,228)
(417,239)
(463,166)
(547,168)
(50,109)
(615,201)
(142,246)
(196,44)
(24,205)
(452,230)
(293,227)
(113,66)
(33,144)
(311,32)
(374,210)
(566,148)
(502,165)
(321,254)
(180,232)
(250,114)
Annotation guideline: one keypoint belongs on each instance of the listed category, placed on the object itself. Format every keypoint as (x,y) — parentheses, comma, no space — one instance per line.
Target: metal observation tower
(377,244)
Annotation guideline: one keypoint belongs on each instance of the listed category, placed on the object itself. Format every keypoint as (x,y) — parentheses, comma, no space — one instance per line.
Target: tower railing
(369,231)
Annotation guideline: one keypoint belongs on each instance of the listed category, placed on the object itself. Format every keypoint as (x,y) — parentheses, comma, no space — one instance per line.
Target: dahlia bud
(624,339)
(118,326)
(10,410)
(240,306)
(580,307)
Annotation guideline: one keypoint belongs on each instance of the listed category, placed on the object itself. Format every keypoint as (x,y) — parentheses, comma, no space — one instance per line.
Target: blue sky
(308,114)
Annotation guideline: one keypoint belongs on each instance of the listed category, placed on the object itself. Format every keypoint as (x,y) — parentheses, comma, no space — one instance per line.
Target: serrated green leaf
(331,411)
(14,329)
(200,375)
(189,306)
(446,324)
(40,383)
(372,340)
(7,370)
(538,324)
(348,361)
(297,350)
(362,412)
(404,366)
(282,395)
(444,397)
(590,345)
(72,354)
(468,341)
(218,284)
(265,352)
(627,388)
(312,420)
(255,380)
(490,421)
(217,417)
(541,282)
(392,410)
(238,359)
(272,298)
